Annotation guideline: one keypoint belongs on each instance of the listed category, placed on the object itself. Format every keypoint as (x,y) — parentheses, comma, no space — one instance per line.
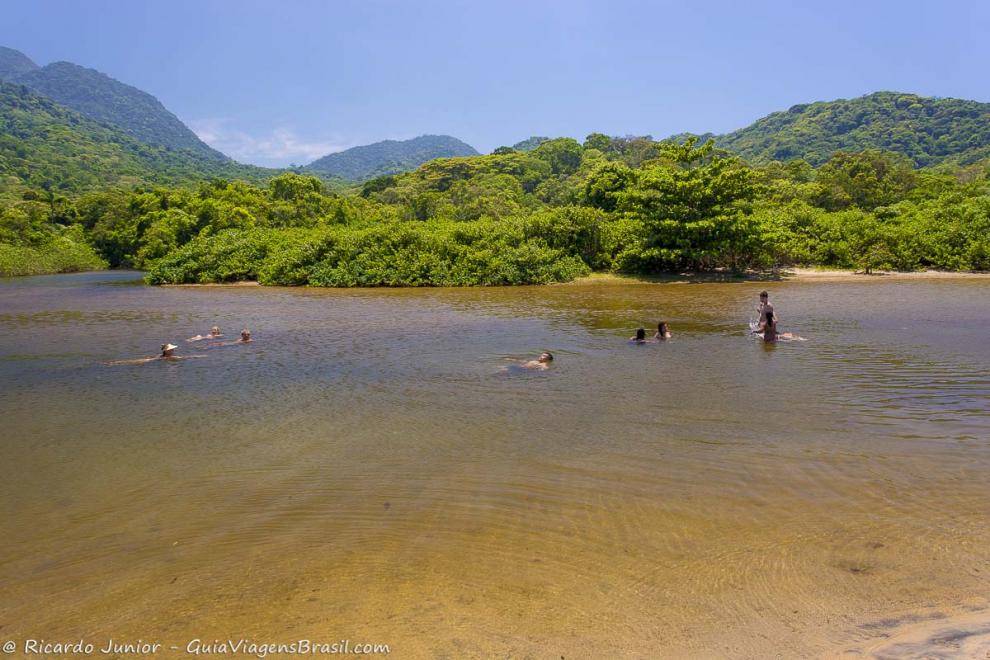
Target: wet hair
(548,354)
(163,347)
(764,294)
(662,328)
(216,327)
(640,333)
(768,315)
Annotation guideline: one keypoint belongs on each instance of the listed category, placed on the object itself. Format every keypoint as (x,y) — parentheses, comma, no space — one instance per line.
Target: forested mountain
(100,97)
(44,144)
(530,143)
(14,63)
(389,157)
(928,130)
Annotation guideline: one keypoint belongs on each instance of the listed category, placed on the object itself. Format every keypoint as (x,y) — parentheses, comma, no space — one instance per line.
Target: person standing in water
(640,337)
(765,306)
(762,309)
(663,332)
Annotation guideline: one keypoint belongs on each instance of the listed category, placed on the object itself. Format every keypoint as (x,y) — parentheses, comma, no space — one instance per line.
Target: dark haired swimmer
(663,332)
(541,363)
(769,330)
(769,327)
(640,337)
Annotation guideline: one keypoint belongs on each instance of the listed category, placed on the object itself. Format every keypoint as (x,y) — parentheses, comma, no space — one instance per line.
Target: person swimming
(168,353)
(214,334)
(663,332)
(541,363)
(640,337)
(243,339)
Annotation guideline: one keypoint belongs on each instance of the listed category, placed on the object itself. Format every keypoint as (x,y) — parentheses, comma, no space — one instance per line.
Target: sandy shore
(783,275)
(215,284)
(925,635)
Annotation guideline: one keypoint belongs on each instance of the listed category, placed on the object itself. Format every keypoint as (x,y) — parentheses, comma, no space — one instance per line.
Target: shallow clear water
(367,469)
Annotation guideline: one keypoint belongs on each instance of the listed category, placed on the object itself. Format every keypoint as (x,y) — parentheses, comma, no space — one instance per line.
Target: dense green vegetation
(388,157)
(99,97)
(549,215)
(61,254)
(77,194)
(927,130)
(31,243)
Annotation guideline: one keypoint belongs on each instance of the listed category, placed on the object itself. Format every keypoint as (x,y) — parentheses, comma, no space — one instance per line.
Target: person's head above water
(168,350)
(245,335)
(764,295)
(215,330)
(662,328)
(546,356)
(641,334)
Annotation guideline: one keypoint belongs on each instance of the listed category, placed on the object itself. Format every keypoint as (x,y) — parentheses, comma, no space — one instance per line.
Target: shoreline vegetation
(558,213)
(784,275)
(67,252)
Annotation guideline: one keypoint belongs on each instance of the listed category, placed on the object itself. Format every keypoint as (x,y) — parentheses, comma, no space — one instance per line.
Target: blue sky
(279,82)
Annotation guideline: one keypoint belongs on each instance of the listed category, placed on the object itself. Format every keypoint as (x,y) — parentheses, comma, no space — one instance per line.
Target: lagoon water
(367,470)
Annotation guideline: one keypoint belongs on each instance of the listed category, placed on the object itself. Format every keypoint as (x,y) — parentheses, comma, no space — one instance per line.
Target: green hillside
(389,157)
(100,97)
(927,130)
(43,143)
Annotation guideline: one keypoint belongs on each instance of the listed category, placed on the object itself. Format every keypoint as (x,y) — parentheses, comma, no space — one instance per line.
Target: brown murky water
(367,470)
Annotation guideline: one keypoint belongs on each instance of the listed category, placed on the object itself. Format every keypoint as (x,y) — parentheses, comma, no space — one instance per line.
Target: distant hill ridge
(14,63)
(530,143)
(928,130)
(37,137)
(389,157)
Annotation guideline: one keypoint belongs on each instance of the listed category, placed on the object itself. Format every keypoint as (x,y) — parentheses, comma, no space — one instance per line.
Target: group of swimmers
(168,350)
(766,329)
(662,334)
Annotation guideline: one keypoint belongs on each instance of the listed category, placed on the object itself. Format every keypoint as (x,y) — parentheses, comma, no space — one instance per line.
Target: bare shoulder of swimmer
(114,363)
